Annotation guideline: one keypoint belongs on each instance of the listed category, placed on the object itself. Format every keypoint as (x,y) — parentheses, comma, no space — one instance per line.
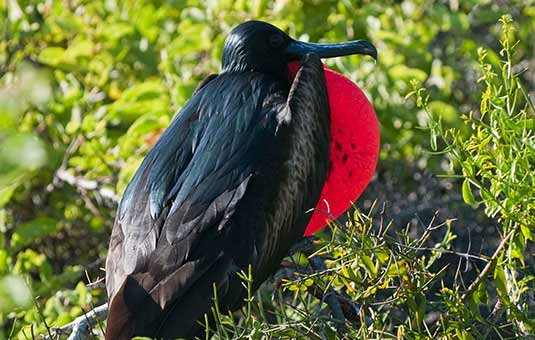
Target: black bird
(227,186)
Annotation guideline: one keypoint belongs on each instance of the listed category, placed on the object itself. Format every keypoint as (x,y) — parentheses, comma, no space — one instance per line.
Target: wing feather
(174,214)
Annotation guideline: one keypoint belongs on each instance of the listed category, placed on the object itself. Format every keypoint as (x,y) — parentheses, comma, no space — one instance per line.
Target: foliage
(385,284)
(497,160)
(86,87)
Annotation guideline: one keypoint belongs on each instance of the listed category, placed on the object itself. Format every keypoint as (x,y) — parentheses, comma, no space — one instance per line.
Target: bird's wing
(169,156)
(187,187)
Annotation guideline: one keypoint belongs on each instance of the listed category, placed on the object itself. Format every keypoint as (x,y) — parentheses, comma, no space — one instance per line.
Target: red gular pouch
(354,150)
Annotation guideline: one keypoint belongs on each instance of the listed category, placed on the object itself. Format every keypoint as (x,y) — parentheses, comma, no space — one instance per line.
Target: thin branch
(348,309)
(81,326)
(330,296)
(483,275)
(444,251)
(307,246)
(98,284)
(85,184)
(41,316)
(82,184)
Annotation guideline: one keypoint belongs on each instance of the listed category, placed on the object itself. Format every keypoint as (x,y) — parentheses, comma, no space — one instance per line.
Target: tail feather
(138,310)
(119,325)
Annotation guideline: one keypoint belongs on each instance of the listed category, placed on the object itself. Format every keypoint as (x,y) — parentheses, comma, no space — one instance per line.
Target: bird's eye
(276,40)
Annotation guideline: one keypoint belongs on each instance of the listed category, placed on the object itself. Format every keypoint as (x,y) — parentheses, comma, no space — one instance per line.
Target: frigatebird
(230,184)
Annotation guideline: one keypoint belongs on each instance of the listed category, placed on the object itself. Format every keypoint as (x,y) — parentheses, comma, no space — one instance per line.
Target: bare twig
(350,310)
(85,184)
(483,275)
(82,184)
(82,326)
(444,251)
(41,316)
(98,284)
(330,297)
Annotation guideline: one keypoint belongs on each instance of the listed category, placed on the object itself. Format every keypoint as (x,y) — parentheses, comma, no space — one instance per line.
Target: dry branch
(82,326)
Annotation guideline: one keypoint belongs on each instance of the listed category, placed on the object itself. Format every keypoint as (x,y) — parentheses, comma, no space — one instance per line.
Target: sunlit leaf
(468,197)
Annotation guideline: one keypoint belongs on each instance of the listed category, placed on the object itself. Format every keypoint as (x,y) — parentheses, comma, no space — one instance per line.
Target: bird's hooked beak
(297,49)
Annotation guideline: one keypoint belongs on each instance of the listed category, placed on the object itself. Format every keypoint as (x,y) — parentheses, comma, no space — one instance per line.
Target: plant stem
(483,275)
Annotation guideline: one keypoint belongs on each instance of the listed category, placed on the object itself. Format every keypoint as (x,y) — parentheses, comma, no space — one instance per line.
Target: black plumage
(227,185)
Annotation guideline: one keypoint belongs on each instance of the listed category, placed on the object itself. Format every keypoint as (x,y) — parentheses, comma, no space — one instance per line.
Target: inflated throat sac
(355,142)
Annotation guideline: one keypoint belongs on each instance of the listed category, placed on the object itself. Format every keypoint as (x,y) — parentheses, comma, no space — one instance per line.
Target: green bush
(496,158)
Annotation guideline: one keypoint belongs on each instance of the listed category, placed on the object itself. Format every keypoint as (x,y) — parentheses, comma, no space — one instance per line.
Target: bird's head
(262,47)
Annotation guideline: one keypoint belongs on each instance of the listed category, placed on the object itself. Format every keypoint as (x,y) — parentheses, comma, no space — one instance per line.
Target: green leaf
(462,334)
(500,281)
(518,247)
(81,289)
(330,333)
(148,125)
(447,112)
(468,168)
(52,56)
(480,294)
(5,194)
(79,49)
(468,197)
(5,262)
(473,304)
(420,301)
(117,30)
(148,97)
(34,230)
(526,231)
(406,74)
(369,265)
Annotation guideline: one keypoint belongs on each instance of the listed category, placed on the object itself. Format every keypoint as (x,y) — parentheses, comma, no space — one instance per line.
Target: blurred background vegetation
(86,88)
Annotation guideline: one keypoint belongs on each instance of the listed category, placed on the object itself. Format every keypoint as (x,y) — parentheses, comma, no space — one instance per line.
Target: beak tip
(371,50)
